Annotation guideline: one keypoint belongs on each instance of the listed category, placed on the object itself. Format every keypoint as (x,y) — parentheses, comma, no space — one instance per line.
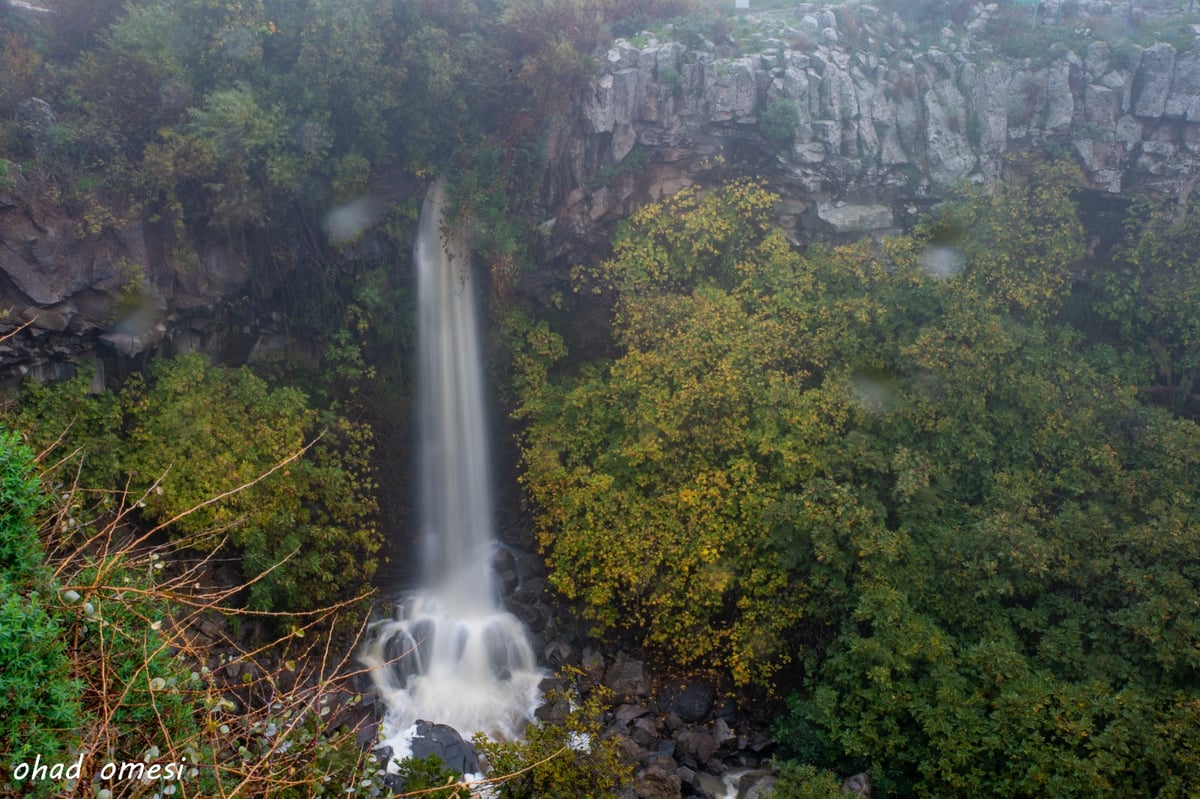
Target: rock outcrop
(877,123)
(113,296)
(856,119)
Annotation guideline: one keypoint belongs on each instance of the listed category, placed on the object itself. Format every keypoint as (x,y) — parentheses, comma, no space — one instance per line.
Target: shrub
(7,174)
(803,781)
(635,161)
(216,456)
(156,686)
(780,121)
(429,777)
(40,713)
(559,759)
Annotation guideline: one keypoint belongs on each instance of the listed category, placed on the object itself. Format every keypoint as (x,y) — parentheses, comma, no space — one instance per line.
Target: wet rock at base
(697,742)
(691,701)
(756,785)
(658,780)
(444,742)
(626,677)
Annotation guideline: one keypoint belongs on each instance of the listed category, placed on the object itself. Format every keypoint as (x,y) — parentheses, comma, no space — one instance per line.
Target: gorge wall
(883,120)
(114,296)
(856,119)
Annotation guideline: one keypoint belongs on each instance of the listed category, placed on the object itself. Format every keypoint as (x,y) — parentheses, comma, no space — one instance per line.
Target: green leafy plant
(669,76)
(41,695)
(780,120)
(803,781)
(558,759)
(428,776)
(7,174)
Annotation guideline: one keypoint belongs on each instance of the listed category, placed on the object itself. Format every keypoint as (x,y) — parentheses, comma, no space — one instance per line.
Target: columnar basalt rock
(880,116)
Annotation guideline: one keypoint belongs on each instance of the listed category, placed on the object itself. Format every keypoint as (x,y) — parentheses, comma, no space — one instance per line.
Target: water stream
(451,654)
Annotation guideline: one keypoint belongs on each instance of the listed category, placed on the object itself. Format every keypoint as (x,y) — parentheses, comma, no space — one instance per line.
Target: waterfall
(451,654)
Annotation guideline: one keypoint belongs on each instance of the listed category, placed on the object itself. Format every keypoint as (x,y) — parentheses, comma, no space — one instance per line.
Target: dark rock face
(626,677)
(90,295)
(691,701)
(445,742)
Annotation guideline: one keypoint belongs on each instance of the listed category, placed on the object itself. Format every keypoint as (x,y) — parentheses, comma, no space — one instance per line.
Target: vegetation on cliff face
(252,121)
(119,660)
(923,486)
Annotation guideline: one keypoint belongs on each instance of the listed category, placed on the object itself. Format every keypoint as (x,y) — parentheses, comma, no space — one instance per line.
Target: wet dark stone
(697,741)
(626,677)
(691,700)
(559,653)
(757,785)
(624,714)
(658,780)
(531,616)
(645,732)
(504,565)
(592,664)
(444,742)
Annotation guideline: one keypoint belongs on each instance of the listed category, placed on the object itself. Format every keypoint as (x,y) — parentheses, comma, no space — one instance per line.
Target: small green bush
(7,181)
(1176,31)
(780,121)
(559,760)
(803,781)
(634,161)
(429,777)
(670,76)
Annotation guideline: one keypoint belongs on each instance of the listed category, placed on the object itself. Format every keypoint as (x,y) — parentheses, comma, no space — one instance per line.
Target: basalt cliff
(858,120)
(859,123)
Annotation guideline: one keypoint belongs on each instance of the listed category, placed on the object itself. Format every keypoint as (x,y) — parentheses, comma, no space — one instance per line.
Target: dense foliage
(255,121)
(897,481)
(39,700)
(223,460)
(103,667)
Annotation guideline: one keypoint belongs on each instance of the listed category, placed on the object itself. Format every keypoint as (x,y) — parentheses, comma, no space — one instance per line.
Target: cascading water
(451,654)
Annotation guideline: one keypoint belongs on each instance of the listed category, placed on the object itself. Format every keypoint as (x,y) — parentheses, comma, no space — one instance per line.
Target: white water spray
(451,654)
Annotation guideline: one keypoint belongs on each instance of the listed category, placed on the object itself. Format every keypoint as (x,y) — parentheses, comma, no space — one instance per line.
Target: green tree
(1146,295)
(661,474)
